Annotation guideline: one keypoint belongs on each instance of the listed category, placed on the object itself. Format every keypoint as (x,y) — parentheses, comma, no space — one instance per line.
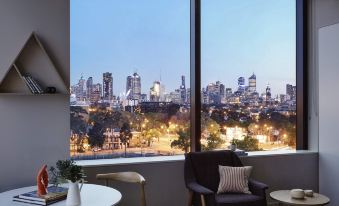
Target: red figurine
(42,181)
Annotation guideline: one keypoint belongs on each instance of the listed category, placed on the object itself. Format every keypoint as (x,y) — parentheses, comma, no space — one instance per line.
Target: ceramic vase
(73,195)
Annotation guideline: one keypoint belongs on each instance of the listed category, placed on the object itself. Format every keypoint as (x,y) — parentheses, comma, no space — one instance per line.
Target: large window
(163,77)
(248,74)
(130,63)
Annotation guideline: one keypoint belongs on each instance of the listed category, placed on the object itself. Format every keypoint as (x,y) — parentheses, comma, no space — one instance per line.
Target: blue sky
(152,38)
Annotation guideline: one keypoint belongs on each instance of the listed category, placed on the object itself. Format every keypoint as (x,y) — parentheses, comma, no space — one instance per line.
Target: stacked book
(240,152)
(33,85)
(55,194)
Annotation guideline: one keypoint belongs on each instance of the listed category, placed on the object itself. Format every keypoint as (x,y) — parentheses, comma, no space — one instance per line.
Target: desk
(90,195)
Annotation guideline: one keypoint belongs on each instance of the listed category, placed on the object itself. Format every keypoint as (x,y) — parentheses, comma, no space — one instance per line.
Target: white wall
(33,130)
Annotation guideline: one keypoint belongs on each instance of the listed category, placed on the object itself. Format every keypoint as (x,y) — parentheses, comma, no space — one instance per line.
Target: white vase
(73,195)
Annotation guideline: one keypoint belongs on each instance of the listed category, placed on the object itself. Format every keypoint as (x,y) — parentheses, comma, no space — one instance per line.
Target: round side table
(284,198)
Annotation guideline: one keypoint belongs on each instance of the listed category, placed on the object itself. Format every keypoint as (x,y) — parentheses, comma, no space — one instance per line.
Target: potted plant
(68,171)
(233,145)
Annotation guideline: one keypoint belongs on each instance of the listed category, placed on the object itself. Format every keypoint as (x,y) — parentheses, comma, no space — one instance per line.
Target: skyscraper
(268,92)
(252,83)
(215,92)
(241,84)
(291,92)
(221,89)
(183,94)
(80,90)
(228,92)
(107,83)
(89,87)
(133,87)
(96,93)
(155,92)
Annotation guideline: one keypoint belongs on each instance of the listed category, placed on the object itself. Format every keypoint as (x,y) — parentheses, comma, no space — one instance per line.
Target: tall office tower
(213,91)
(252,83)
(188,95)
(268,92)
(204,96)
(155,92)
(221,89)
(107,84)
(96,93)
(133,87)
(183,94)
(241,84)
(294,94)
(80,91)
(228,92)
(89,86)
(129,83)
(162,92)
(291,92)
(282,98)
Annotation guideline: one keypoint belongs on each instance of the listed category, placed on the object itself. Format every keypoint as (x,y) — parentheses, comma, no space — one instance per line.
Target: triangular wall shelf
(35,61)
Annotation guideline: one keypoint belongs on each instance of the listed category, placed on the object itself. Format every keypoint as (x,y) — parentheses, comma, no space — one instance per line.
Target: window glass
(248,81)
(130,78)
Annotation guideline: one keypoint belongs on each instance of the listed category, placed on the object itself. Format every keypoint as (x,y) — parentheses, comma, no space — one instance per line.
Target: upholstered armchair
(202,181)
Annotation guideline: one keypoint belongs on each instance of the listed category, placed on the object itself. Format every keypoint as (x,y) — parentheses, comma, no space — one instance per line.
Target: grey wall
(34,129)
(328,115)
(323,124)
(165,181)
(321,13)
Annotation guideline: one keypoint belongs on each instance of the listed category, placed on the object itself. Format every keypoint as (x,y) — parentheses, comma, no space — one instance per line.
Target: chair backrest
(203,167)
(131,177)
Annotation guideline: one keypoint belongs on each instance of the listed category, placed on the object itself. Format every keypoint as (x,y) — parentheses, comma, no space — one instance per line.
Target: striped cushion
(234,179)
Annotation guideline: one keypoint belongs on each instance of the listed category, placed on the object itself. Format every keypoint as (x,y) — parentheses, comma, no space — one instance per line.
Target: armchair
(202,181)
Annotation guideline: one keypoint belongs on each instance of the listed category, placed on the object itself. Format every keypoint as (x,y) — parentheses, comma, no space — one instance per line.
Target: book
(28,85)
(54,193)
(32,202)
(36,85)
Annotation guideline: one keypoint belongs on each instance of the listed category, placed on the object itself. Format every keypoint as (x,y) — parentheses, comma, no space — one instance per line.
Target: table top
(90,195)
(285,197)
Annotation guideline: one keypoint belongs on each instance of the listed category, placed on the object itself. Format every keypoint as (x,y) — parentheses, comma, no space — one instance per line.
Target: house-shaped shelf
(32,60)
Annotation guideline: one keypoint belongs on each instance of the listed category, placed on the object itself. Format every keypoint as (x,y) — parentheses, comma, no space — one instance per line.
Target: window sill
(162,159)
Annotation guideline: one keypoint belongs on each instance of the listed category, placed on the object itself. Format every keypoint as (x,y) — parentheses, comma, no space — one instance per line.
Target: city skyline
(242,85)
(120,53)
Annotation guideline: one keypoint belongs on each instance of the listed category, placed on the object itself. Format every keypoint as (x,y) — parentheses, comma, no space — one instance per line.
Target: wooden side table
(284,198)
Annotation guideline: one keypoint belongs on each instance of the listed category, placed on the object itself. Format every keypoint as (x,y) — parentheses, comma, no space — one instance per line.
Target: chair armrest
(197,188)
(257,188)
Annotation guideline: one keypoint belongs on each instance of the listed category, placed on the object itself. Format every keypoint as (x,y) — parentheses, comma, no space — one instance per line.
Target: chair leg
(190,198)
(203,202)
(143,196)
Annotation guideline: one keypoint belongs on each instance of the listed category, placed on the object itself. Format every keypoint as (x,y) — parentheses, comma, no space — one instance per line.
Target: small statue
(42,181)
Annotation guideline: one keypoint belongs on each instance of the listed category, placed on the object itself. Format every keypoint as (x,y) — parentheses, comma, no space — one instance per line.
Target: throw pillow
(234,179)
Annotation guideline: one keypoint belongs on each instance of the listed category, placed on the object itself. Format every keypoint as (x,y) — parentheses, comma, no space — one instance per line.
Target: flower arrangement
(66,170)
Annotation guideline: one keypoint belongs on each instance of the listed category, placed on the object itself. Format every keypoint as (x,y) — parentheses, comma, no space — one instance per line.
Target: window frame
(301,75)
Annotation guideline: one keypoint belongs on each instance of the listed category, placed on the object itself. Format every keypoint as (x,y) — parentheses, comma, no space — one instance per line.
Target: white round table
(284,197)
(90,195)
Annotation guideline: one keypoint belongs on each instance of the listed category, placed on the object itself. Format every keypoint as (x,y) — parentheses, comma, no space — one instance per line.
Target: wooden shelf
(32,60)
